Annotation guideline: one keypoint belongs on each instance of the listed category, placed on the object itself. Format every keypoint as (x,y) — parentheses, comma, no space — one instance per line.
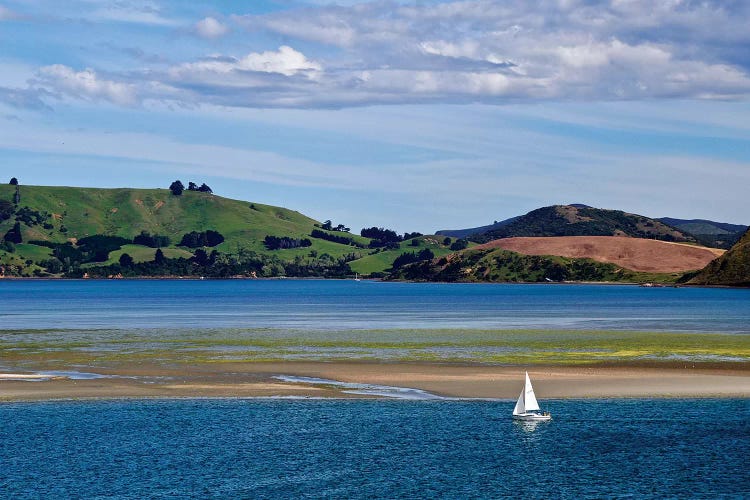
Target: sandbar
(247,380)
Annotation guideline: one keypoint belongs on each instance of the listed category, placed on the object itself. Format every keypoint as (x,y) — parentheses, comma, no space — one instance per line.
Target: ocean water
(349,305)
(373,449)
(411,448)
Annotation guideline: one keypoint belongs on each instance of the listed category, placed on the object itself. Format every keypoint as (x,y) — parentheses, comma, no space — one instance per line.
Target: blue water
(360,449)
(373,449)
(346,305)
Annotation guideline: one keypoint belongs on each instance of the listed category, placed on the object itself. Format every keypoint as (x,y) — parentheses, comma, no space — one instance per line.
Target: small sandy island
(367,380)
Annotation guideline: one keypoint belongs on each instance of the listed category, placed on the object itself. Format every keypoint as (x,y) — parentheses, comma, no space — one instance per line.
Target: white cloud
(210,28)
(86,84)
(488,51)
(285,61)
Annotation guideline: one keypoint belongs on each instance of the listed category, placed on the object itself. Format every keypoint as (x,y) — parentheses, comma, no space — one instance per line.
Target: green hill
(55,216)
(580,220)
(503,266)
(731,269)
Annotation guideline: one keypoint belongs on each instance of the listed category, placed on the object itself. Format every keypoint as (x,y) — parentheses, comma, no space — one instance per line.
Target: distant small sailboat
(356,277)
(527,407)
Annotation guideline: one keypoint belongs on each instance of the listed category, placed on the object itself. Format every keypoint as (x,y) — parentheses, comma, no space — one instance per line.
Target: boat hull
(536,417)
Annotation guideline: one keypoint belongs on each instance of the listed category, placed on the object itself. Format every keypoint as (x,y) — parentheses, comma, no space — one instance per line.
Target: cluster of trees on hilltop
(328,226)
(177,187)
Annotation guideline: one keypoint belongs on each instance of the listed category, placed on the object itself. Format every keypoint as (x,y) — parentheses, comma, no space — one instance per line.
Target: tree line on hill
(343,240)
(177,187)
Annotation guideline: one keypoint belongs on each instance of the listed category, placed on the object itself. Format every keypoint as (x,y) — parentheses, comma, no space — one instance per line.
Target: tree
(327,225)
(204,188)
(194,239)
(192,186)
(459,244)
(159,257)
(13,181)
(447,241)
(177,188)
(14,235)
(201,257)
(126,260)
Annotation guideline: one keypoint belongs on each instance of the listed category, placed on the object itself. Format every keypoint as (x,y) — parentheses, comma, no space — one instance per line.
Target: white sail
(529,399)
(519,409)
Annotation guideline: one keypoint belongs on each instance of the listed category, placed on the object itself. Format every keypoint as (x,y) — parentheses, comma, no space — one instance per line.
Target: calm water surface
(346,305)
(366,449)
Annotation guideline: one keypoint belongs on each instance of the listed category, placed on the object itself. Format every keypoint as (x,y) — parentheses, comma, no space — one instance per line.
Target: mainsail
(527,400)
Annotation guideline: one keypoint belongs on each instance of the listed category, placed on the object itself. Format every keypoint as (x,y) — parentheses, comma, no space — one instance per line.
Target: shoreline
(380,280)
(344,380)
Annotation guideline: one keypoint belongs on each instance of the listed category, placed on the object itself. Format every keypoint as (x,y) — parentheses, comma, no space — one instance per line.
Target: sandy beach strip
(446,380)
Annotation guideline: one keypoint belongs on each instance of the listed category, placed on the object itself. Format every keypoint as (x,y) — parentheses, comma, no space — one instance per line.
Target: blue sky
(414,115)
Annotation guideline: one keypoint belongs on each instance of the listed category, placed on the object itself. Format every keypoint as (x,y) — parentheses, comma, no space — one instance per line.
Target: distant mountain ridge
(465,233)
(703,226)
(708,232)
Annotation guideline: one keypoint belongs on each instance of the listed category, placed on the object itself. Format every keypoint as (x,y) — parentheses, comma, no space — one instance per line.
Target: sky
(413,115)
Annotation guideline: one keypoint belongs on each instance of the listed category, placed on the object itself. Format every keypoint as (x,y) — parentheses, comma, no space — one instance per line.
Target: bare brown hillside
(631,253)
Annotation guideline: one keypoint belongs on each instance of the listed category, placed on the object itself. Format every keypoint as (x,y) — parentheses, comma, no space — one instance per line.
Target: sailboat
(527,407)
(356,276)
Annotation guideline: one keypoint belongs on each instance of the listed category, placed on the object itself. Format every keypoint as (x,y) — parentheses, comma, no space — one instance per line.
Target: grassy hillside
(498,265)
(731,269)
(57,215)
(79,212)
(577,220)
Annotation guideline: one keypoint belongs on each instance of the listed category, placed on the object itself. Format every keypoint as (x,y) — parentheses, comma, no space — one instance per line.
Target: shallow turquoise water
(346,305)
(373,449)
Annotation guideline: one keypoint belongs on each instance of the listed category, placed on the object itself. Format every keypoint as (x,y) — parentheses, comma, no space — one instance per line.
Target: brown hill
(636,254)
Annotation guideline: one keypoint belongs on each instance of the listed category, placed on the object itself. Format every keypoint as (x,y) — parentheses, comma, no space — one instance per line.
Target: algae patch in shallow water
(447,345)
